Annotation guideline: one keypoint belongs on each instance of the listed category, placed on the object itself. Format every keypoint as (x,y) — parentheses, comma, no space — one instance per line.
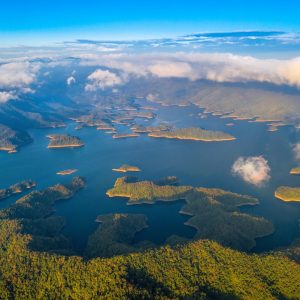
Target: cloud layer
(296,150)
(6,96)
(220,67)
(16,78)
(102,79)
(17,74)
(254,170)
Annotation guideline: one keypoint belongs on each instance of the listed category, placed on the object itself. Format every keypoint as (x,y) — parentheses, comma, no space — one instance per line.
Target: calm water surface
(194,163)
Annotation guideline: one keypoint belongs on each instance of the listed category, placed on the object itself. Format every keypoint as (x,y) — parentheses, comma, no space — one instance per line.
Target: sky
(40,22)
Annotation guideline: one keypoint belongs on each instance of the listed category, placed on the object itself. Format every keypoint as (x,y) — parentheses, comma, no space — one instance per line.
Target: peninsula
(39,204)
(115,235)
(11,140)
(214,212)
(64,141)
(17,188)
(288,194)
(127,168)
(194,133)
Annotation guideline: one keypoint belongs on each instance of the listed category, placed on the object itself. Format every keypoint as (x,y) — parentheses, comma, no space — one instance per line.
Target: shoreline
(65,146)
(193,139)
(123,136)
(66,172)
(284,199)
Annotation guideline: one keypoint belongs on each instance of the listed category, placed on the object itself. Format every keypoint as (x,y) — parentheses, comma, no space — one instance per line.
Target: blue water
(194,163)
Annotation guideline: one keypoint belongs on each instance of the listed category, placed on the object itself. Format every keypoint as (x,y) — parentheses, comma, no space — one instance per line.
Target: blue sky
(36,20)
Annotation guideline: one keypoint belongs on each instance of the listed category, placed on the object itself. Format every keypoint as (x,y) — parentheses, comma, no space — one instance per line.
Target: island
(295,171)
(288,194)
(106,127)
(96,119)
(16,188)
(39,204)
(64,141)
(125,135)
(146,191)
(115,235)
(11,140)
(67,172)
(149,129)
(127,168)
(194,133)
(32,216)
(214,212)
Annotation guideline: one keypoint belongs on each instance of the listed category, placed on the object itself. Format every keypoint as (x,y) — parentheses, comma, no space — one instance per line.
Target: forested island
(64,141)
(31,216)
(214,212)
(127,168)
(149,129)
(11,140)
(67,172)
(38,204)
(287,193)
(193,133)
(125,135)
(295,171)
(16,188)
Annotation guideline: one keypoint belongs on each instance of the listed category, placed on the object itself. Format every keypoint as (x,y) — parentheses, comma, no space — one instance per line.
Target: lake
(193,162)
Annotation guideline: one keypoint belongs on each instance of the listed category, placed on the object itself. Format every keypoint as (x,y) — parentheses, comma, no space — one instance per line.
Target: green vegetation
(63,141)
(214,212)
(200,270)
(146,191)
(31,215)
(194,133)
(96,119)
(295,171)
(17,188)
(38,204)
(243,102)
(215,216)
(286,193)
(11,140)
(197,270)
(115,235)
(126,117)
(127,168)
(148,129)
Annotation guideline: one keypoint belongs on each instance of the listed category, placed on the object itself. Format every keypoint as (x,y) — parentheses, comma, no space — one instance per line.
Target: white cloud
(254,170)
(6,96)
(171,69)
(297,151)
(17,74)
(220,67)
(102,79)
(71,80)
(16,78)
